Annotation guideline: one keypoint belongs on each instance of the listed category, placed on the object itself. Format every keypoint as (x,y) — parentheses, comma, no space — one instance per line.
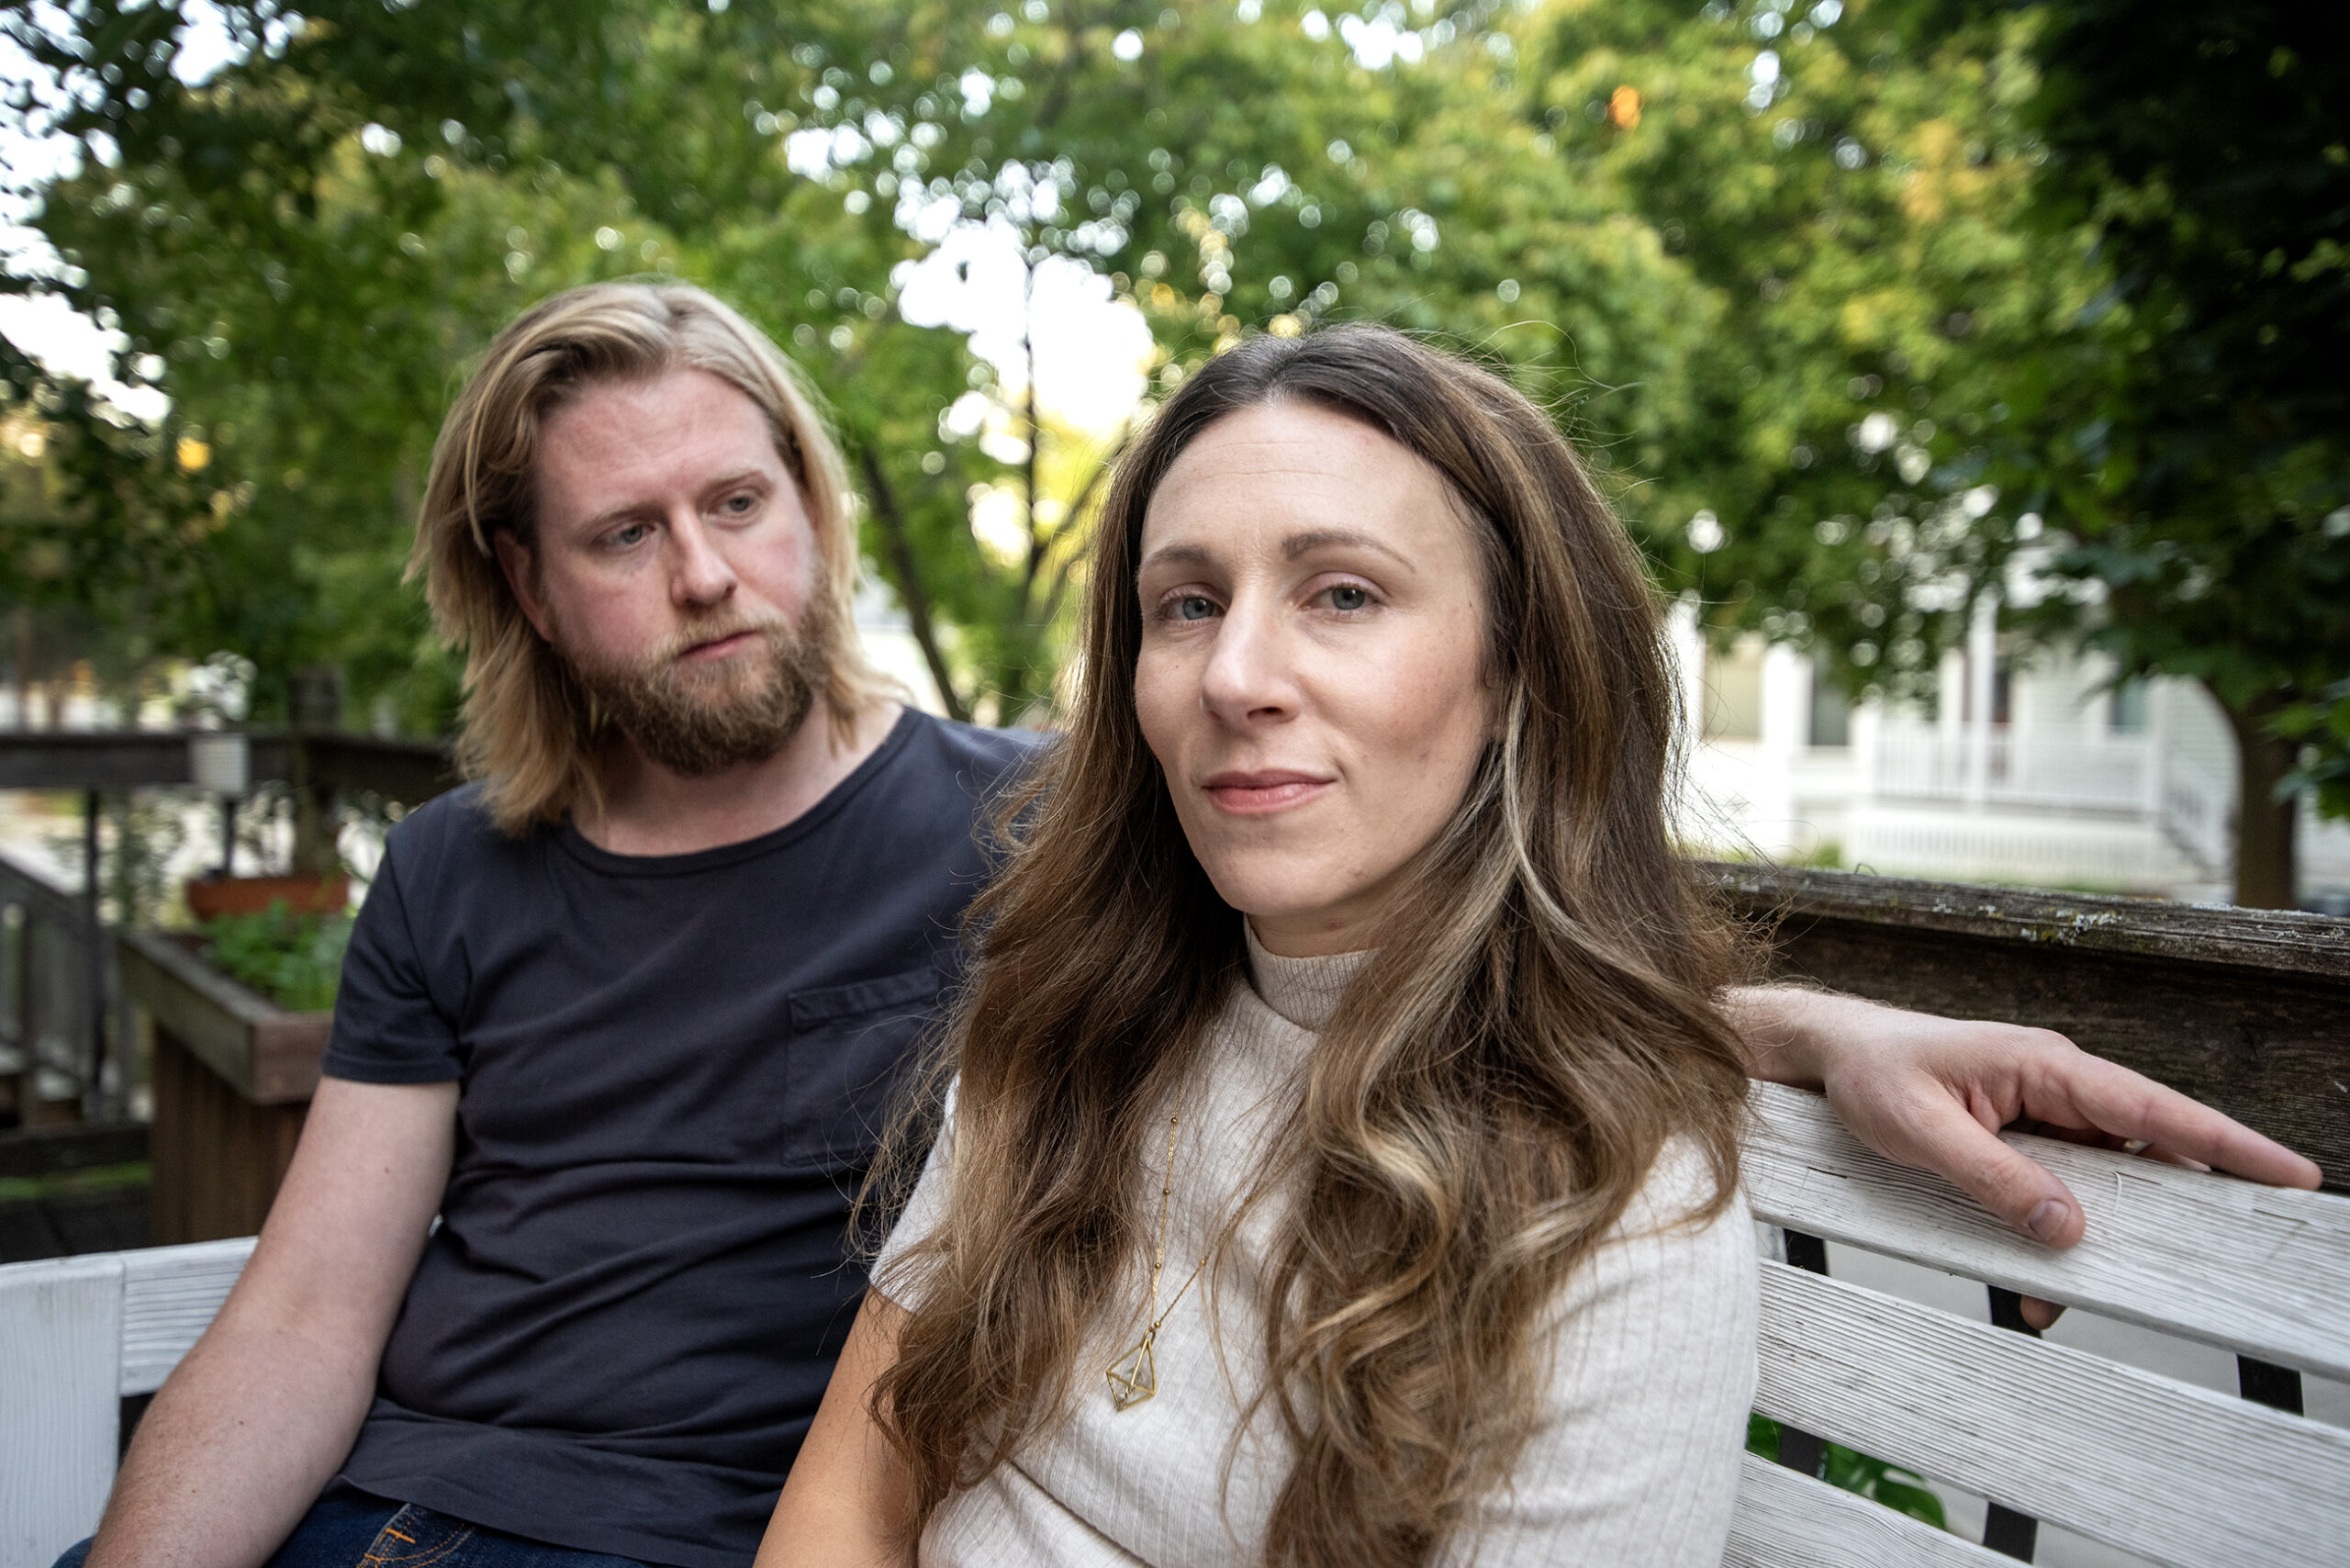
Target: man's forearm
(259,1416)
(1787,1028)
(235,1448)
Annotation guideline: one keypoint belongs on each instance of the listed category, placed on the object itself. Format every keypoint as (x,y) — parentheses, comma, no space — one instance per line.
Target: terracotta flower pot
(213,896)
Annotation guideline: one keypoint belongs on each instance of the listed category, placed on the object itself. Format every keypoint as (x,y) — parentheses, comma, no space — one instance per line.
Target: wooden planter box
(232,1073)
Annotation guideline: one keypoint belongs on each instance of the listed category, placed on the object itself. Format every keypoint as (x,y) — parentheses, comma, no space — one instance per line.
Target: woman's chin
(1270,894)
(1293,928)
(1308,890)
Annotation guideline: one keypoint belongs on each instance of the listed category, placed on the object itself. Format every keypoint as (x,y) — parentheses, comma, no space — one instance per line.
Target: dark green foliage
(1964,283)
(1844,213)
(296,960)
(90,1181)
(2322,726)
(2197,446)
(1903,1491)
(2206,144)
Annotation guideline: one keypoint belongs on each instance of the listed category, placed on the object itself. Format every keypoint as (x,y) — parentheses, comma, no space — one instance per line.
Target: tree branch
(1035,441)
(1076,511)
(892,518)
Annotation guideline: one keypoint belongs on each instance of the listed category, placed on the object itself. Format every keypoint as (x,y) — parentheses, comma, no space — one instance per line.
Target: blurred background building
(2044,770)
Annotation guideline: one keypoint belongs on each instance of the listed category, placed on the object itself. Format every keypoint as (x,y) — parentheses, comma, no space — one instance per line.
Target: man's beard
(701,720)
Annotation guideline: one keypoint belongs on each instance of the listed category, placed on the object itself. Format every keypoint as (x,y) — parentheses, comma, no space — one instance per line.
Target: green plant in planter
(1904,1490)
(292,959)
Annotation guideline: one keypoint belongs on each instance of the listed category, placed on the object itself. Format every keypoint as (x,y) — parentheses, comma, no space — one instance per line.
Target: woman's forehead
(1295,464)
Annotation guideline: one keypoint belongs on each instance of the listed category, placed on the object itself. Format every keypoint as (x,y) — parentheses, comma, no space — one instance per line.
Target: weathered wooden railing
(395,770)
(2247,1010)
(55,978)
(232,1075)
(60,1014)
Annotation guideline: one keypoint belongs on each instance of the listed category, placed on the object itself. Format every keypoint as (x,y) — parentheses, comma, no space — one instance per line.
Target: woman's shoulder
(1665,1307)
(1683,1191)
(1682,1242)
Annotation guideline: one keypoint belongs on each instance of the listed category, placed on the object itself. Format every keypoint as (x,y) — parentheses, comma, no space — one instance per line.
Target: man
(624,1012)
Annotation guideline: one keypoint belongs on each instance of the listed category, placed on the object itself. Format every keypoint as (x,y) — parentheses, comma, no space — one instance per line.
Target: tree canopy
(2197,446)
(1866,310)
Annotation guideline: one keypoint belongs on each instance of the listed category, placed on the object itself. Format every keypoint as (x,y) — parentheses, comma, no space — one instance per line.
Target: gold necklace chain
(1134,1377)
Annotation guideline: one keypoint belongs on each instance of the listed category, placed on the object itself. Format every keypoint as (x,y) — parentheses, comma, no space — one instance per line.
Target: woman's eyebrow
(1188,554)
(1297,544)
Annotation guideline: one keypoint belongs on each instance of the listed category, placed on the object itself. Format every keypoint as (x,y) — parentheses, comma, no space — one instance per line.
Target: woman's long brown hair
(1493,1090)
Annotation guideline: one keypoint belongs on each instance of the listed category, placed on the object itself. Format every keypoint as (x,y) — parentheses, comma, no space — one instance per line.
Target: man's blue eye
(1194,607)
(1348,597)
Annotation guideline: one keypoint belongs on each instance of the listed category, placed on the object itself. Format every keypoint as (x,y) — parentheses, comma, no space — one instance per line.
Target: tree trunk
(20,622)
(911,593)
(314,702)
(2266,863)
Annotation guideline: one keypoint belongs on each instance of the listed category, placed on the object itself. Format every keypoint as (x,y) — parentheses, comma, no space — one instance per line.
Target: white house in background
(2037,772)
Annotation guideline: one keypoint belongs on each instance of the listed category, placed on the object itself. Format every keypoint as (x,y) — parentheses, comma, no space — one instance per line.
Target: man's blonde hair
(528,730)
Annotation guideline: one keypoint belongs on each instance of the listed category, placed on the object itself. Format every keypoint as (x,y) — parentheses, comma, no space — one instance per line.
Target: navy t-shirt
(673,1071)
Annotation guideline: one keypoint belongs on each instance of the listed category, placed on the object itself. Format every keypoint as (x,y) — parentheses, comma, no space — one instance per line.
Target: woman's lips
(1252,794)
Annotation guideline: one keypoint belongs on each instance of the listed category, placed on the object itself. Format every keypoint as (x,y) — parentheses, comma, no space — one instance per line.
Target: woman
(1393,1218)
(1398,1221)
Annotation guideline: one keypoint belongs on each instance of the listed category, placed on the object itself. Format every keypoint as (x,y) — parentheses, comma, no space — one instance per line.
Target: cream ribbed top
(1635,1462)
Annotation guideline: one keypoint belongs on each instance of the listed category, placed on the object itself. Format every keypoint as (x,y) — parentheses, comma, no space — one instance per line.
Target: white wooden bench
(77,1336)
(2176,1473)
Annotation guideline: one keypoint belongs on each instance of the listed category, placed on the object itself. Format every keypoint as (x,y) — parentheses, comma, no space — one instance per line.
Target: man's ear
(522,575)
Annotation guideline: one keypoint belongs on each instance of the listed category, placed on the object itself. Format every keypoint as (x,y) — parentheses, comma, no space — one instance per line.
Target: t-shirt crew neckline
(597,858)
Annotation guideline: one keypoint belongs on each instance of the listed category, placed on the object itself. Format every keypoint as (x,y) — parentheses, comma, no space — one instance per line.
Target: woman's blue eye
(1194,607)
(1348,597)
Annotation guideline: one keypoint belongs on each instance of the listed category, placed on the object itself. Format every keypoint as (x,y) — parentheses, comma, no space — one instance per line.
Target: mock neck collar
(1306,991)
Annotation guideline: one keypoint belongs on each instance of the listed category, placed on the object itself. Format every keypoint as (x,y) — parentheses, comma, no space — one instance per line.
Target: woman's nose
(1247,679)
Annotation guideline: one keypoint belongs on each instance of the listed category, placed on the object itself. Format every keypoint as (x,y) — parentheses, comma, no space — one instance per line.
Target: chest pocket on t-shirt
(848,1045)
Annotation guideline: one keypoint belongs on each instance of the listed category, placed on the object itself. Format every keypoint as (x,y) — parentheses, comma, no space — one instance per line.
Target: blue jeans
(350,1529)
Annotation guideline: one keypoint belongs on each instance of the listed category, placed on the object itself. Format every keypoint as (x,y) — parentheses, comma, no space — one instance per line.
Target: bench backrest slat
(61,1331)
(169,1295)
(2174,1472)
(1785,1520)
(2176,1250)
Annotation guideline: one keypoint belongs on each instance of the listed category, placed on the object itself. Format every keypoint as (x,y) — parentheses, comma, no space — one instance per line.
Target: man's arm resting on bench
(254,1424)
(1933,1093)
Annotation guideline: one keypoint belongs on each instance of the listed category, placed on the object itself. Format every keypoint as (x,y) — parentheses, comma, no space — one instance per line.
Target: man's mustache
(686,640)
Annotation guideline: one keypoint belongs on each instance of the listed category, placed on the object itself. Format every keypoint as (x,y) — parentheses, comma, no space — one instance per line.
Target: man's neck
(651,810)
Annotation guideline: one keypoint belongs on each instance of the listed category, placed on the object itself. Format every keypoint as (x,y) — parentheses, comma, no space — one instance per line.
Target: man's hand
(1933,1093)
